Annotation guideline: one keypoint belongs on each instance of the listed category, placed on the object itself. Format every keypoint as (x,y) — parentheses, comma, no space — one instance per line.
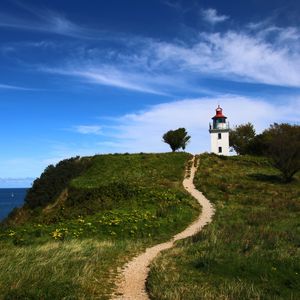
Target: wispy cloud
(14,87)
(261,54)
(238,56)
(120,78)
(113,77)
(175,4)
(88,129)
(45,20)
(211,16)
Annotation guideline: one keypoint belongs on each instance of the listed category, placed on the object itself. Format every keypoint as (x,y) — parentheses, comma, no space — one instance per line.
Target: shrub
(54,180)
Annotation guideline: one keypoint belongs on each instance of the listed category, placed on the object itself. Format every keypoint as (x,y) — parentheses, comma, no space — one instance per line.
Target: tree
(283,148)
(240,138)
(176,138)
(257,146)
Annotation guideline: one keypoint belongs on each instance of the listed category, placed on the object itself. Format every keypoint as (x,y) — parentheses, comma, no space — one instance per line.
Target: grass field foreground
(73,249)
(251,250)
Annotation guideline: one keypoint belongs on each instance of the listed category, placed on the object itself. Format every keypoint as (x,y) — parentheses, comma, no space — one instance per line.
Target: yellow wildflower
(56,234)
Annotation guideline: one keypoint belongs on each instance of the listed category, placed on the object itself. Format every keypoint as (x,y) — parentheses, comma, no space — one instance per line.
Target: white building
(219,133)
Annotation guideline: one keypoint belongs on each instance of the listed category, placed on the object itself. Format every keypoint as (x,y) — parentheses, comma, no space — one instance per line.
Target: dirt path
(131,285)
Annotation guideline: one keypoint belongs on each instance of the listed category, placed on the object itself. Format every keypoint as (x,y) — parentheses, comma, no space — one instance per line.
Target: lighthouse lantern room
(219,133)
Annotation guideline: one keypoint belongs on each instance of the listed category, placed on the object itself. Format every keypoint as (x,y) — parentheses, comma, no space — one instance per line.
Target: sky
(92,77)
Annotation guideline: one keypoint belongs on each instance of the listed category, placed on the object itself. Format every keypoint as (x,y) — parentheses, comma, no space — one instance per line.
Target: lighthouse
(219,133)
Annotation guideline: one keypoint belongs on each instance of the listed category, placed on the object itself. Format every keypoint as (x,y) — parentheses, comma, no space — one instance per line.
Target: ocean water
(10,198)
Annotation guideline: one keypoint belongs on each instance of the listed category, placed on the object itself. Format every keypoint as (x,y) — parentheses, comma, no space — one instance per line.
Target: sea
(9,199)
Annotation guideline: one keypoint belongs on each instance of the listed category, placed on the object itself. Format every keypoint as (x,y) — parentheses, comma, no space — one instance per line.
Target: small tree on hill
(240,138)
(283,147)
(176,138)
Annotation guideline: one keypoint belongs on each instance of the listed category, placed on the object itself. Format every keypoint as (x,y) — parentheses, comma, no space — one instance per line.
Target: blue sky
(86,77)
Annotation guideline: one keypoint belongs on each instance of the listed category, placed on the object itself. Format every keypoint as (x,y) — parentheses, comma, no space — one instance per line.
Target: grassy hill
(251,250)
(78,228)
(86,217)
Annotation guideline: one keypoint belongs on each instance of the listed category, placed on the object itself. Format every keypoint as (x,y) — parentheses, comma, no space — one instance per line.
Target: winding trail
(132,282)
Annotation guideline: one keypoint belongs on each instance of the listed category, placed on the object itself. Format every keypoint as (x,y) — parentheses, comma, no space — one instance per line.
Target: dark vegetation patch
(266,177)
(54,180)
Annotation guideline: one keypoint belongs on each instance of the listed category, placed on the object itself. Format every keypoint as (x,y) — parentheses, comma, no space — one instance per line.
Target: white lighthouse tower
(219,133)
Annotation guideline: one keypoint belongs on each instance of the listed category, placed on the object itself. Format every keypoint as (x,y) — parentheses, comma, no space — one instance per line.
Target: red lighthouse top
(219,113)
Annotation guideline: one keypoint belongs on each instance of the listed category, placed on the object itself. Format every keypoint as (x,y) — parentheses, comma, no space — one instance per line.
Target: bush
(54,180)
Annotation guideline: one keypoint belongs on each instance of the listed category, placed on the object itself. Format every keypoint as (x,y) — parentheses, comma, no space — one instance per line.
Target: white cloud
(237,56)
(88,129)
(265,55)
(120,78)
(260,52)
(211,16)
(142,131)
(112,77)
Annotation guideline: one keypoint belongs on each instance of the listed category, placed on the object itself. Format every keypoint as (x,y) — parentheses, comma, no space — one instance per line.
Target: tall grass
(77,269)
(250,250)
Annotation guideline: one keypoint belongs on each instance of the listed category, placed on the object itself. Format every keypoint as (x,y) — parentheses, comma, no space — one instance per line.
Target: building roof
(219,113)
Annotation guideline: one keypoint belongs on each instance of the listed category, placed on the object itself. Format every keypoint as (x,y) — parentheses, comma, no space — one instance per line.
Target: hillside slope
(84,186)
(73,245)
(250,250)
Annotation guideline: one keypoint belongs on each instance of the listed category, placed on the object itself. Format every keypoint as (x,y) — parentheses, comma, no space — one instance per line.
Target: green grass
(77,269)
(72,250)
(251,250)
(141,169)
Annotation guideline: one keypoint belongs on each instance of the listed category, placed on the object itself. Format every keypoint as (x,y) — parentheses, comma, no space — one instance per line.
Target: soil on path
(132,282)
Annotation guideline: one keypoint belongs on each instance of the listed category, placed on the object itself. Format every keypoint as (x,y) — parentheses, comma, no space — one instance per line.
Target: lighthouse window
(219,136)
(220,149)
